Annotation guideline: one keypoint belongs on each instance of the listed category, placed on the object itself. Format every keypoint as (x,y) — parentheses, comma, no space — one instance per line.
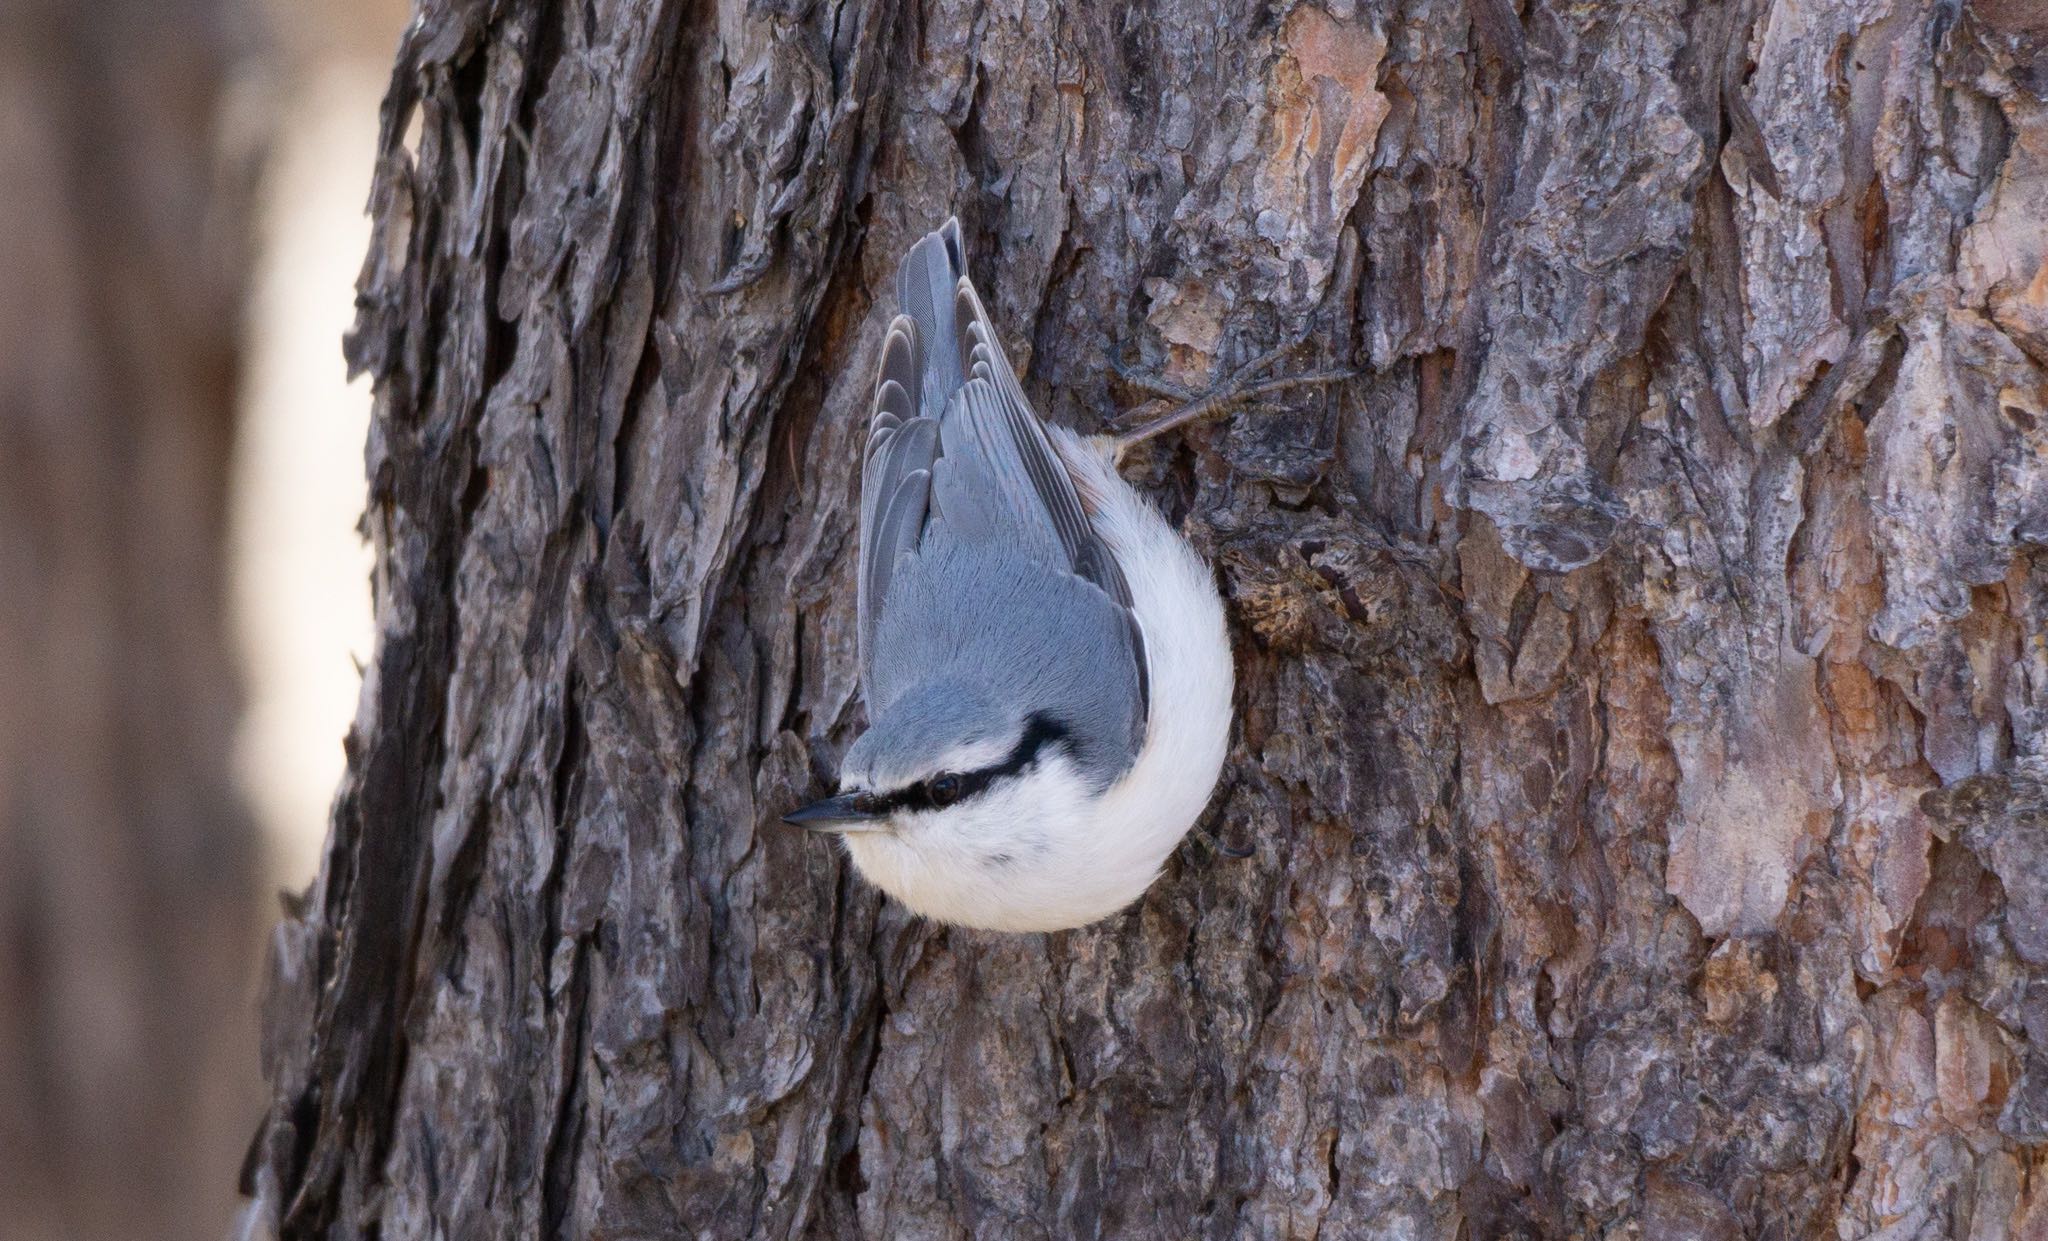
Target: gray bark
(129,900)
(1643,691)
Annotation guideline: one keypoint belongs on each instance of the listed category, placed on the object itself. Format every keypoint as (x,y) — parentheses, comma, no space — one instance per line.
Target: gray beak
(836,814)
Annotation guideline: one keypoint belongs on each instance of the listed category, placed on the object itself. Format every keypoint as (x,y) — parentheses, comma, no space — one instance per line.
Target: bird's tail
(925,284)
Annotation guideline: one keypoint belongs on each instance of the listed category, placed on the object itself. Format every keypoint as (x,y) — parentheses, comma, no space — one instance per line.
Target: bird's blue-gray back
(1003,629)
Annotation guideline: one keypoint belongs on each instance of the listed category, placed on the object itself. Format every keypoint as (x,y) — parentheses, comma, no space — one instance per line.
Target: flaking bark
(1642,686)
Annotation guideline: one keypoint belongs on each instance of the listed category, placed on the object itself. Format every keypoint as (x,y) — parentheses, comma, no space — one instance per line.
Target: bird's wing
(1036,483)
(991,475)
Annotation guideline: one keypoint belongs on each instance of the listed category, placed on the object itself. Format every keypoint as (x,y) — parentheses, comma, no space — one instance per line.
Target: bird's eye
(946,789)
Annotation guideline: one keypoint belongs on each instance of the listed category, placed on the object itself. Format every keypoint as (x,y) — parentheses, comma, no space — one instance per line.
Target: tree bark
(1643,697)
(129,898)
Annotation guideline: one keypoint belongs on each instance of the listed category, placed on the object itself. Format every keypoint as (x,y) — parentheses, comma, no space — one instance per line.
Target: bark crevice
(1596,645)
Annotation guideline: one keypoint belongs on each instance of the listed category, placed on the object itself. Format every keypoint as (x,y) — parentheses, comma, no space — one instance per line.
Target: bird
(1044,658)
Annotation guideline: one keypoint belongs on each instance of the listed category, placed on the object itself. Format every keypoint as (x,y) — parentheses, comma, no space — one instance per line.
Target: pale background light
(301,570)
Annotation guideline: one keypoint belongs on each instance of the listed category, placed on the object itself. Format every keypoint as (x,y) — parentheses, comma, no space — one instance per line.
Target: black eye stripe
(1040,731)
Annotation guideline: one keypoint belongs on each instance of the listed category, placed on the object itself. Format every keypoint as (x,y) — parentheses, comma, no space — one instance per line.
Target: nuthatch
(1047,676)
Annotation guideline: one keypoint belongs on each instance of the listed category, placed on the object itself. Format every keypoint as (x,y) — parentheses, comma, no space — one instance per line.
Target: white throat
(1039,852)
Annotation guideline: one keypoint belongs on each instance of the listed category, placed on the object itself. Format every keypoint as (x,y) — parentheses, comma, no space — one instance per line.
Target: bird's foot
(1247,384)
(1234,852)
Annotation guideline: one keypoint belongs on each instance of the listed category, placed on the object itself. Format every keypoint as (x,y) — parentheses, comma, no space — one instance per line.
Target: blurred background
(183,594)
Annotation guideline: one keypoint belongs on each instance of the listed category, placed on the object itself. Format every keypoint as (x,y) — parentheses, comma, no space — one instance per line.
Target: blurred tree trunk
(128,876)
(1643,687)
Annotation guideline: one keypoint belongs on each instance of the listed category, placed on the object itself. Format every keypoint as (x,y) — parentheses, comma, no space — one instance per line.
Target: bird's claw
(1145,381)
(1234,852)
(1244,385)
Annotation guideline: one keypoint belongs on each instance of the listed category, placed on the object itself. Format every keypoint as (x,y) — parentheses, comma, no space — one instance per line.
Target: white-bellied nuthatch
(1046,670)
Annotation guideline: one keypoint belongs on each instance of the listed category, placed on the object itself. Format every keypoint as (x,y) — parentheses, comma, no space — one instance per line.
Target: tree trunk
(129,902)
(1643,697)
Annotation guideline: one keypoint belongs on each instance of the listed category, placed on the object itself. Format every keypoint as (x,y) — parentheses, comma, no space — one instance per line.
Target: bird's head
(964,810)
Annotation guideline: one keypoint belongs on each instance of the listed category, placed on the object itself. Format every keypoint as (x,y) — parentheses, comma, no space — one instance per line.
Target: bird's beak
(836,814)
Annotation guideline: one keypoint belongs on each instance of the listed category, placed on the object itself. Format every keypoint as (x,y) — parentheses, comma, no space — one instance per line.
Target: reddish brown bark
(1597,648)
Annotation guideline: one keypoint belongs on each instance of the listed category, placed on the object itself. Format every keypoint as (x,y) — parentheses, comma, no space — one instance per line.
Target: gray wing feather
(953,440)
(1056,498)
(988,492)
(899,358)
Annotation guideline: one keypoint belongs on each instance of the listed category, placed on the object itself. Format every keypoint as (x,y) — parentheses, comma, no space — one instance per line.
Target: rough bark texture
(1643,692)
(129,907)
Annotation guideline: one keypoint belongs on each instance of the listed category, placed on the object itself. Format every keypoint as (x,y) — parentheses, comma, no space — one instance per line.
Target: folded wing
(954,443)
